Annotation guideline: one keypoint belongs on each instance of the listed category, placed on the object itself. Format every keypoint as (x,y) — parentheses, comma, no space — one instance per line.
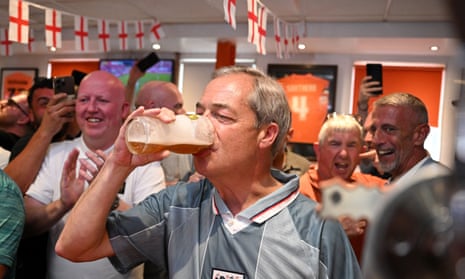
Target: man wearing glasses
(14,120)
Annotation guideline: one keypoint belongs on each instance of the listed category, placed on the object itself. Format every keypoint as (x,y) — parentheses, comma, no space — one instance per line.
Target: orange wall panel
(423,82)
(65,68)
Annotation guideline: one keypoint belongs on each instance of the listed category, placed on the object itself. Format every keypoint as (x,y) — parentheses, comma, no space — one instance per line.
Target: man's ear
(316,148)
(420,134)
(268,135)
(125,110)
(24,119)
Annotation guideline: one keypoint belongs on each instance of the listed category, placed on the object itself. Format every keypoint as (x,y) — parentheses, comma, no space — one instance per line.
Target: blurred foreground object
(418,230)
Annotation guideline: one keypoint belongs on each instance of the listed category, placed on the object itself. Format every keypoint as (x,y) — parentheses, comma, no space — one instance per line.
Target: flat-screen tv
(163,70)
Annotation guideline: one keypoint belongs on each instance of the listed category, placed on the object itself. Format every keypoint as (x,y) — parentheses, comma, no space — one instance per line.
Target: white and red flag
(30,43)
(123,35)
(52,28)
(277,37)
(5,43)
(81,33)
(261,30)
(230,12)
(157,31)
(103,35)
(295,37)
(252,19)
(19,21)
(286,41)
(139,34)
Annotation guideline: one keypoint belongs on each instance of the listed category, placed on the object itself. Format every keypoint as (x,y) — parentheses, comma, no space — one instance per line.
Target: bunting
(287,48)
(229,7)
(156,30)
(52,28)
(139,34)
(30,43)
(252,20)
(123,35)
(81,33)
(261,30)
(103,35)
(5,43)
(257,14)
(277,37)
(286,35)
(18,29)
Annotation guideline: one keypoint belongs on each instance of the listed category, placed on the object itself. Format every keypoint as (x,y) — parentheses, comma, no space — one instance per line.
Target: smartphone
(64,85)
(148,61)
(376,73)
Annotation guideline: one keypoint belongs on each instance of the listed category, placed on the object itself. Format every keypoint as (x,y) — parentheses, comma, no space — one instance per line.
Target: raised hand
(71,184)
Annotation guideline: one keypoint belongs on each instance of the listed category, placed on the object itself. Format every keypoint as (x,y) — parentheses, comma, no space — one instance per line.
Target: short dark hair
(39,82)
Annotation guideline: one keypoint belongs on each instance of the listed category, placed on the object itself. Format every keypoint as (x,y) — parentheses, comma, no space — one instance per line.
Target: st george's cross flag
(103,35)
(229,7)
(81,33)
(53,28)
(18,28)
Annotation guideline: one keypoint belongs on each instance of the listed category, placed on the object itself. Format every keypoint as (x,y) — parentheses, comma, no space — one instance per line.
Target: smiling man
(100,110)
(399,129)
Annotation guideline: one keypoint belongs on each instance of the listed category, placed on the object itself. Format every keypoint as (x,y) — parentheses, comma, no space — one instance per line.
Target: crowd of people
(78,204)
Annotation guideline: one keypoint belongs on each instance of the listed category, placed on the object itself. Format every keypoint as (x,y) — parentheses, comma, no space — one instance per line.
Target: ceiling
(329,26)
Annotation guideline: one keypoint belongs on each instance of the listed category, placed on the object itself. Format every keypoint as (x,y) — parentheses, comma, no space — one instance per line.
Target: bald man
(157,94)
(101,107)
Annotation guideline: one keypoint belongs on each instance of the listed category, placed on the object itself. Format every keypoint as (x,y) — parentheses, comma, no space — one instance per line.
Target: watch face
(419,232)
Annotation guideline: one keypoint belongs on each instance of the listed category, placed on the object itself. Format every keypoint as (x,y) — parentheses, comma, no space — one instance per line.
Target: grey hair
(406,100)
(268,101)
(339,123)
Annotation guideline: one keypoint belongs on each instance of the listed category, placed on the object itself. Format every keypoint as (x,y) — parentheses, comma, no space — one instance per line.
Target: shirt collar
(267,206)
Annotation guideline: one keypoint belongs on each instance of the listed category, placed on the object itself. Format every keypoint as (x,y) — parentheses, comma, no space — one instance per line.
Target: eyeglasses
(13,103)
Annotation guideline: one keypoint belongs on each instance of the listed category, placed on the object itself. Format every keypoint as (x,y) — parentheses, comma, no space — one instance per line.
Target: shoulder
(308,184)
(312,227)
(62,148)
(8,185)
(368,179)
(183,194)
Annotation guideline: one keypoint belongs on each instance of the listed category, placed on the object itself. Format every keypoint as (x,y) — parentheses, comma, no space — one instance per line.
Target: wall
(344,83)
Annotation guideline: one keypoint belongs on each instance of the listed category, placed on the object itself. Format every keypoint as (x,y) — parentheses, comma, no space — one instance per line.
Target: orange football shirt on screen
(308,97)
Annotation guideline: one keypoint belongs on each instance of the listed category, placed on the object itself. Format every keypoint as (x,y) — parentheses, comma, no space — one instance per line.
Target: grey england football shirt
(188,232)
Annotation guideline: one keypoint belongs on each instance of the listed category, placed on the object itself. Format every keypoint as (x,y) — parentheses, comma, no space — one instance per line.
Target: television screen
(163,70)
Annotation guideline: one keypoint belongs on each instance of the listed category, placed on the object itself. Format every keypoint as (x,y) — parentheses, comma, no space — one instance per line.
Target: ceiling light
(53,49)
(434,48)
(301,46)
(156,46)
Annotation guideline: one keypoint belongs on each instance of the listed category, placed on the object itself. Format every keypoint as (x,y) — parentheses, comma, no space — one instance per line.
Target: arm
(24,168)
(134,75)
(86,224)
(41,217)
(366,89)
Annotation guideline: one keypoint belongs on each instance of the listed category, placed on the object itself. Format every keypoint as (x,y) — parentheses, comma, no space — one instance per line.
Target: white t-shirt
(142,182)
(4,157)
